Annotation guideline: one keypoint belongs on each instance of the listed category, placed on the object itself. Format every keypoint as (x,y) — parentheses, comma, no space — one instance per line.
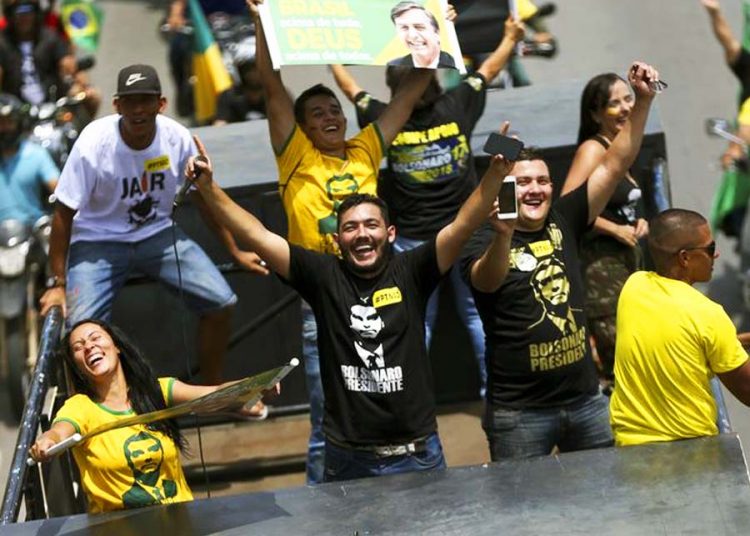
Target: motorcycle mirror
(45,111)
(715,124)
(723,129)
(71,99)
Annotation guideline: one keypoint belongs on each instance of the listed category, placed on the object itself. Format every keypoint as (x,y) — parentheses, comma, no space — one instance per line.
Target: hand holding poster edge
(246,392)
(269,32)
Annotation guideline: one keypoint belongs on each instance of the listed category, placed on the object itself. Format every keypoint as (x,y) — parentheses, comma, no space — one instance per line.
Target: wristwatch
(55,281)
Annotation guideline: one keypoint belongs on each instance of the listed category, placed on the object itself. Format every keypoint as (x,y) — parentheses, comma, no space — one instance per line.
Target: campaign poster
(361,32)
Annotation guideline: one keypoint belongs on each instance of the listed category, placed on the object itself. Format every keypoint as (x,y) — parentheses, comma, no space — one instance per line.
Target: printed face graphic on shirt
(365,321)
(552,289)
(338,188)
(367,328)
(145,454)
(368,337)
(560,342)
(550,283)
(556,339)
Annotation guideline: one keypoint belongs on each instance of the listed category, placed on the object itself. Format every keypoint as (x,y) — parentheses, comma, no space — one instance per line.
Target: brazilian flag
(211,77)
(82,20)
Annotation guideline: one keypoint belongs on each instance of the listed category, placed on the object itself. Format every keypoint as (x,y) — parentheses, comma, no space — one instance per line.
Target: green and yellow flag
(211,77)
(82,20)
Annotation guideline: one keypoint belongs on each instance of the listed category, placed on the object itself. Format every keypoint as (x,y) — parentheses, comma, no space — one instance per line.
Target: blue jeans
(98,270)
(346,464)
(465,307)
(316,444)
(525,433)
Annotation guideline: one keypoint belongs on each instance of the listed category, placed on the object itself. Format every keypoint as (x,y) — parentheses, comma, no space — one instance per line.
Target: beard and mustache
(385,254)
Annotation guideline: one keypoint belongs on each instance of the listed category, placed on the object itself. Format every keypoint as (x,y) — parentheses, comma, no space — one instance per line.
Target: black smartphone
(498,144)
(507,200)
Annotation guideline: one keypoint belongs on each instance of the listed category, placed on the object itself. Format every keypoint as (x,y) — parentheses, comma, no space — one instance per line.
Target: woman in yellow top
(127,467)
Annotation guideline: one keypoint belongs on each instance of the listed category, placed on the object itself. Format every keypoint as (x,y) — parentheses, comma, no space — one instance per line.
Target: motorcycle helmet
(11,7)
(10,133)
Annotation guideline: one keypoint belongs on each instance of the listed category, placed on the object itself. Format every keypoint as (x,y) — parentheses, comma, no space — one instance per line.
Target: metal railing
(27,432)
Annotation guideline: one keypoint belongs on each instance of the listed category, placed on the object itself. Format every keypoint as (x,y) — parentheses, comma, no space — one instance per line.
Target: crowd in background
(542,292)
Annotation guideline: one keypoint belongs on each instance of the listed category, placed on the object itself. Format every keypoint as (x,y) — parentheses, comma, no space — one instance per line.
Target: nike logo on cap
(133,78)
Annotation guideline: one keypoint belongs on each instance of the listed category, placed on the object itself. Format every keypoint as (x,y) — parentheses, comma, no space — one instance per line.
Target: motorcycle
(23,252)
(56,124)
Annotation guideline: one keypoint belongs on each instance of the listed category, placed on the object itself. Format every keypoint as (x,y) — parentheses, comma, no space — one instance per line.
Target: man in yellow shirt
(671,340)
(318,169)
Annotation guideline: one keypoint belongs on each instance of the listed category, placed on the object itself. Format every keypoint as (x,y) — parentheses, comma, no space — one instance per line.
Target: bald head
(669,232)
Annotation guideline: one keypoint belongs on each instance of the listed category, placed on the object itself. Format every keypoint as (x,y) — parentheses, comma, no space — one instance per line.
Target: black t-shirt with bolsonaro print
(376,375)
(430,166)
(537,348)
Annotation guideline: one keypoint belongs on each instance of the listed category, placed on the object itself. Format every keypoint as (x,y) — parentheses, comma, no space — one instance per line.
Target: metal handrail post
(30,423)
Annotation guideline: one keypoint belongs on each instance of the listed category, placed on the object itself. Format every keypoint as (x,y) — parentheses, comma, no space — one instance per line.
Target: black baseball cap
(138,80)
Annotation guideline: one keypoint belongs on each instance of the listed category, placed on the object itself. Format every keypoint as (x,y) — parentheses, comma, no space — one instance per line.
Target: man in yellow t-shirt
(318,168)
(671,340)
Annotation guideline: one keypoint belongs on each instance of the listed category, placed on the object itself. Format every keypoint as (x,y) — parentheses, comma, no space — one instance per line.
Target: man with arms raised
(671,340)
(318,168)
(370,307)
(542,386)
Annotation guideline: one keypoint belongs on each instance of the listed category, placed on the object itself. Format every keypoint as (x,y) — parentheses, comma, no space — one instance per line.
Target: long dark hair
(593,99)
(144,391)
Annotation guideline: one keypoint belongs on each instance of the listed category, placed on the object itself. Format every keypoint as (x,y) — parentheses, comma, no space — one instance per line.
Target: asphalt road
(594,36)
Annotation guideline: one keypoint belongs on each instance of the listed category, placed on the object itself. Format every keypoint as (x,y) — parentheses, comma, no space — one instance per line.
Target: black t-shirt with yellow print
(430,165)
(376,374)
(538,354)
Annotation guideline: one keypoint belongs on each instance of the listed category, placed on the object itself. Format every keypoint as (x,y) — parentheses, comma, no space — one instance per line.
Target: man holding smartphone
(542,386)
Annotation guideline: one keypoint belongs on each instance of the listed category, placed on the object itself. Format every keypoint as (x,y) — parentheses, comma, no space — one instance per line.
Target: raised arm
(490,270)
(346,82)
(245,259)
(245,227)
(514,32)
(451,238)
(588,156)
(395,115)
(624,149)
(722,31)
(279,105)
